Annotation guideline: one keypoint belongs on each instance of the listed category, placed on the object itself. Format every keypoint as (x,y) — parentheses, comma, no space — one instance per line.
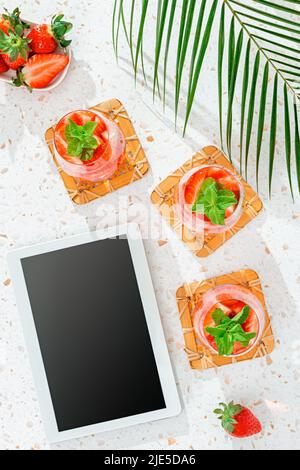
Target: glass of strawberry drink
(88,145)
(229,320)
(210,199)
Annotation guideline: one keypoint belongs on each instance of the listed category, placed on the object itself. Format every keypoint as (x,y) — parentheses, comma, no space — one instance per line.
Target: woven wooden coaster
(133,168)
(188,295)
(164,194)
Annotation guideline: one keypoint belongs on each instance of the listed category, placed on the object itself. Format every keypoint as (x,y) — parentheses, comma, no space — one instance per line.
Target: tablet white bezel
(132,232)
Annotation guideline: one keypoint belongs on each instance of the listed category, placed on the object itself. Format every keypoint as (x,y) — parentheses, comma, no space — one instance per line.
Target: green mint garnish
(80,140)
(228,331)
(213,201)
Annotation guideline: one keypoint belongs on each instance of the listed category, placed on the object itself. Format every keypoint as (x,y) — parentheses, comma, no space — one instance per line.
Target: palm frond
(244,98)
(261,119)
(168,42)
(251,107)
(287,129)
(297,144)
(140,38)
(199,62)
(232,85)
(273,132)
(267,31)
(221,46)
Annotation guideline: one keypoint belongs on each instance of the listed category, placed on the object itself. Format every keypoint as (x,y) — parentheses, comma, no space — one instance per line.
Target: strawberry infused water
(210,199)
(229,320)
(88,145)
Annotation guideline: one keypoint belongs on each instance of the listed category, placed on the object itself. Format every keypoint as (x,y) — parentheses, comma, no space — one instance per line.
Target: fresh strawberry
(44,38)
(3,66)
(230,183)
(4,25)
(14,49)
(40,70)
(238,421)
(14,64)
(12,22)
(193,186)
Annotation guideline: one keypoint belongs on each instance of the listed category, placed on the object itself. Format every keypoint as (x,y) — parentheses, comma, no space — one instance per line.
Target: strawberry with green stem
(237,420)
(12,22)
(14,49)
(45,38)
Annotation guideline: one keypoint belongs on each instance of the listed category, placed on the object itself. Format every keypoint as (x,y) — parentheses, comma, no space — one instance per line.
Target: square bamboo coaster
(164,194)
(133,168)
(188,295)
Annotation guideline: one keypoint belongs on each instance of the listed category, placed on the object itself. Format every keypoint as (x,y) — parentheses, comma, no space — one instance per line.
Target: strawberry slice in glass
(231,299)
(188,191)
(107,156)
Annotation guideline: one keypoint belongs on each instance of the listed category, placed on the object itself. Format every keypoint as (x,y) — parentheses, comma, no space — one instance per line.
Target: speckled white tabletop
(34,207)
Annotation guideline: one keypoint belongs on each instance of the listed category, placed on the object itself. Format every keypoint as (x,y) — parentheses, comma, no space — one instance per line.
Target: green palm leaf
(251,108)
(273,132)
(261,120)
(297,144)
(244,98)
(131,31)
(159,36)
(185,41)
(196,42)
(287,127)
(199,62)
(233,78)
(140,38)
(168,42)
(184,13)
(272,30)
(220,70)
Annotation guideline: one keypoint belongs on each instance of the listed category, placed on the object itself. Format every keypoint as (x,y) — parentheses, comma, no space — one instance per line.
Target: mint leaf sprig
(228,331)
(80,140)
(212,201)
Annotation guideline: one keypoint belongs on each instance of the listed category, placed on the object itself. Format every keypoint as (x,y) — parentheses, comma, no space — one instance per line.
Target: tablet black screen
(92,333)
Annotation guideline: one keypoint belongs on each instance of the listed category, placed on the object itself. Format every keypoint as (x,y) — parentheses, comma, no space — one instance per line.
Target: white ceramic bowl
(10,74)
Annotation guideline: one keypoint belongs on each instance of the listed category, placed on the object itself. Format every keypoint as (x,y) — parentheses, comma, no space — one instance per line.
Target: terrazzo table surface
(34,207)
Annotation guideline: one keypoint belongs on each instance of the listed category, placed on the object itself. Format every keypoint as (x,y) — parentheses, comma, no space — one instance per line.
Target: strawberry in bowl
(229,320)
(24,48)
(210,199)
(45,39)
(14,47)
(12,22)
(88,145)
(3,66)
(237,420)
(40,70)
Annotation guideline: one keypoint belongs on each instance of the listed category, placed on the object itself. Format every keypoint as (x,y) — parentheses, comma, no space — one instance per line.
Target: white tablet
(93,333)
